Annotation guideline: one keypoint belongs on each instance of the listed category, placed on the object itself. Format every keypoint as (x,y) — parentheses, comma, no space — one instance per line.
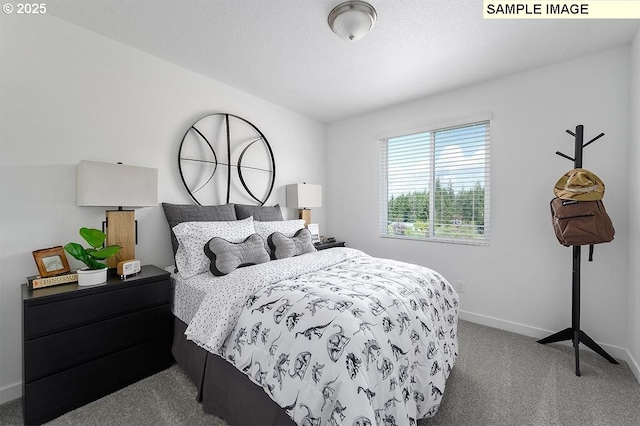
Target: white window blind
(435,184)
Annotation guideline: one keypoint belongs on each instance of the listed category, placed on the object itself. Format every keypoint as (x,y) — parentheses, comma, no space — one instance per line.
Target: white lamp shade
(304,196)
(116,185)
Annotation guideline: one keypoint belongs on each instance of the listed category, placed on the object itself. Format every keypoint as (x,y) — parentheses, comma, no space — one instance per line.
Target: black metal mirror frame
(228,164)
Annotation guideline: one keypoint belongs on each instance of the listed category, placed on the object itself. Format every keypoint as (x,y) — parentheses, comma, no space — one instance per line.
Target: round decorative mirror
(222,153)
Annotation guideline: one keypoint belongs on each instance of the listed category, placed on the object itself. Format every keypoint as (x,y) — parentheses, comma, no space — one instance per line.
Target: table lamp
(304,196)
(117,185)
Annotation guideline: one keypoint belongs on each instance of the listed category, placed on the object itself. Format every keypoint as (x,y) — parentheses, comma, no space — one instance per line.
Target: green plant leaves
(92,256)
(104,252)
(77,251)
(94,237)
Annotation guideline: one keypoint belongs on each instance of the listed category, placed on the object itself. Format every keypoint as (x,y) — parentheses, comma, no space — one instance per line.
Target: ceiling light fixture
(351,20)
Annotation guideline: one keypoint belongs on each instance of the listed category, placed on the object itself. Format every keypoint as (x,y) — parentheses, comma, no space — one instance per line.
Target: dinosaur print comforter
(336,337)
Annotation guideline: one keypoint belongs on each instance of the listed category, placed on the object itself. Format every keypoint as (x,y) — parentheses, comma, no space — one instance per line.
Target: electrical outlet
(461,286)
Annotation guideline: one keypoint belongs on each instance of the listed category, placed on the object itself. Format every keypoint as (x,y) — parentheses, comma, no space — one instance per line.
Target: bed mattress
(188,293)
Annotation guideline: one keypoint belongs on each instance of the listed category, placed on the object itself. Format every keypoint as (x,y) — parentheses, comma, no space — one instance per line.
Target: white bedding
(188,293)
(336,337)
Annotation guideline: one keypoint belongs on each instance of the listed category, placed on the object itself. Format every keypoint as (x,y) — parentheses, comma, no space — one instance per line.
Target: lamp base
(305,214)
(121,231)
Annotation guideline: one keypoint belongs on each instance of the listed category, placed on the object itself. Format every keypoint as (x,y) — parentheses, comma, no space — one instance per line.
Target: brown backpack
(580,223)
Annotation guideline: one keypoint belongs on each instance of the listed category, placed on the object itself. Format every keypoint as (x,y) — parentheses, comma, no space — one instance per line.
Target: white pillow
(192,237)
(286,227)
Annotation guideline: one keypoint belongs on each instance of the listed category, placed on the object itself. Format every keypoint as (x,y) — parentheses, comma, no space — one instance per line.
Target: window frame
(384,183)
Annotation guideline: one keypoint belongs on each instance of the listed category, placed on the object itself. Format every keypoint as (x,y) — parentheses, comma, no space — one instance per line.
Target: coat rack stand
(574,333)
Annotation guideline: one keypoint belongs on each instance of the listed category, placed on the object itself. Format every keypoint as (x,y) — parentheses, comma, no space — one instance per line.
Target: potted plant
(96,270)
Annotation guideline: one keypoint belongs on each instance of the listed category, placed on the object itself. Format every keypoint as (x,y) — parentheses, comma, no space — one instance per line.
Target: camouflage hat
(579,185)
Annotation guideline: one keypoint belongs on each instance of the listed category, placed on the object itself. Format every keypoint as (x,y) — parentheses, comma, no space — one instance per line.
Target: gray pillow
(282,246)
(261,213)
(178,213)
(226,257)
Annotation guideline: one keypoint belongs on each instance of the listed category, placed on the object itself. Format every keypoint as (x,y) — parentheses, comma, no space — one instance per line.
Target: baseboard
(538,333)
(11,392)
(634,366)
(514,327)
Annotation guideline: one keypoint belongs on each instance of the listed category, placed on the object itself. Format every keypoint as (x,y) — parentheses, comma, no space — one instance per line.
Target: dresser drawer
(54,395)
(57,352)
(45,318)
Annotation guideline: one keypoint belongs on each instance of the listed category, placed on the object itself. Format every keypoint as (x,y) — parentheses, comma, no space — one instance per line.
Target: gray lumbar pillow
(226,257)
(283,246)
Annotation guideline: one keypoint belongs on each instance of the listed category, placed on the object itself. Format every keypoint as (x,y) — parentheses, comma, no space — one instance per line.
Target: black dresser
(82,343)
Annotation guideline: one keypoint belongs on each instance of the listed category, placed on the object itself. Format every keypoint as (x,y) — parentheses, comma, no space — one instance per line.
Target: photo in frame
(51,261)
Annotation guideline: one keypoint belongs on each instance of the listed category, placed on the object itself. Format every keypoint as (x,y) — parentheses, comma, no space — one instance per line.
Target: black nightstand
(324,246)
(82,343)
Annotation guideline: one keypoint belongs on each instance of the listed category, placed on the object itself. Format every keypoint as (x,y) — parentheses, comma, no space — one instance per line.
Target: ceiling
(283,50)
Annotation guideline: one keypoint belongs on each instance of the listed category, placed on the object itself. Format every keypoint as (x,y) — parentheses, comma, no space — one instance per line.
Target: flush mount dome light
(351,20)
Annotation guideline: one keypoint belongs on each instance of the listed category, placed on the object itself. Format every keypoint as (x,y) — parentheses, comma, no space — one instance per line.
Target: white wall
(68,95)
(634,210)
(522,281)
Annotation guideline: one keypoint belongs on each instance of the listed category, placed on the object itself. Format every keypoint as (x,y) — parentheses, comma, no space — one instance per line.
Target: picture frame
(51,261)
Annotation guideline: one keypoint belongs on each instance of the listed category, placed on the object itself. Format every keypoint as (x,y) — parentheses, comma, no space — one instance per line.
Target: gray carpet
(500,378)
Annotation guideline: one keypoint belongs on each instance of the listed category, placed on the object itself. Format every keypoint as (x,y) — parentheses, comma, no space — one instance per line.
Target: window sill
(460,241)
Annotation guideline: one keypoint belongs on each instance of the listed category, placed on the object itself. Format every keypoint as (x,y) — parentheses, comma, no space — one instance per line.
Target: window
(435,185)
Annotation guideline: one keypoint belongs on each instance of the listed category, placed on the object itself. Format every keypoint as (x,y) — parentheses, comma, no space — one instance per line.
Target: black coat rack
(574,333)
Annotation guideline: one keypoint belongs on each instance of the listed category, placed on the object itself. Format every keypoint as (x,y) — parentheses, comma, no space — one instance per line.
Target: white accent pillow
(286,227)
(192,237)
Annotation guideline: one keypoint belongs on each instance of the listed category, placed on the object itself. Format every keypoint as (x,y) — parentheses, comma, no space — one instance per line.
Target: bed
(303,336)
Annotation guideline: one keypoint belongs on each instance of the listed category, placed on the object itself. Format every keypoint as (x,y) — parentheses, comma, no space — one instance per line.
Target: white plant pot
(92,276)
